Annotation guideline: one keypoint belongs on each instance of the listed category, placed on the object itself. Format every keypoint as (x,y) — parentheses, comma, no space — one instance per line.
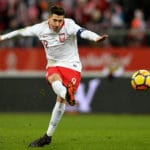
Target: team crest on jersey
(62,37)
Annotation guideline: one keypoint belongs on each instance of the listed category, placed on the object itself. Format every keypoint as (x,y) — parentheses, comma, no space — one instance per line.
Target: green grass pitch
(76,132)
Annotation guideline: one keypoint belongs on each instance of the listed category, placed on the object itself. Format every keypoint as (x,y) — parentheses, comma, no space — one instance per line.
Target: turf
(76,132)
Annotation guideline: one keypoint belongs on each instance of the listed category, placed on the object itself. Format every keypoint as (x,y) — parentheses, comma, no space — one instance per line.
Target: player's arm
(9,35)
(75,29)
(101,38)
(28,31)
(86,34)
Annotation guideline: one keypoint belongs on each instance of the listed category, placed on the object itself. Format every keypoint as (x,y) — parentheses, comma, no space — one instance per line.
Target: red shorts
(66,74)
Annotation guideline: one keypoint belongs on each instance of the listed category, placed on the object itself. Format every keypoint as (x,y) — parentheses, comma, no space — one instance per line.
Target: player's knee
(60,99)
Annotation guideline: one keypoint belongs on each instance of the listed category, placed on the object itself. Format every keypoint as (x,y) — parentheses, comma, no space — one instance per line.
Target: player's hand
(102,38)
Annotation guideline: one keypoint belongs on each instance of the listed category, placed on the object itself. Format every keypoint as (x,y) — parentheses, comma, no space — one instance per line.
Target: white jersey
(60,47)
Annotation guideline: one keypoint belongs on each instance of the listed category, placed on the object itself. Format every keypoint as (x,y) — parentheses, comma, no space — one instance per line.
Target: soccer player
(59,38)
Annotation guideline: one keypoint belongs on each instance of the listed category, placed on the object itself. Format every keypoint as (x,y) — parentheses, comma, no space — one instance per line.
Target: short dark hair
(58,10)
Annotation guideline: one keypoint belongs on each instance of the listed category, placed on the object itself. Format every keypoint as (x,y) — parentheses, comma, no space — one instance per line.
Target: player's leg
(65,92)
(56,116)
(40,142)
(71,80)
(60,90)
(63,82)
(64,88)
(56,82)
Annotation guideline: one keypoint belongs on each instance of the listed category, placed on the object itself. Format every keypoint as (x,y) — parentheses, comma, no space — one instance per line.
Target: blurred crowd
(101,16)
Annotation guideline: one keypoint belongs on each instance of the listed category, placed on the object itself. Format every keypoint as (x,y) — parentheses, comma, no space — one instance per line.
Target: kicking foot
(45,140)
(70,94)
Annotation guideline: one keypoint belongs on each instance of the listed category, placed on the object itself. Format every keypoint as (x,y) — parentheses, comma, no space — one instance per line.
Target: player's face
(55,22)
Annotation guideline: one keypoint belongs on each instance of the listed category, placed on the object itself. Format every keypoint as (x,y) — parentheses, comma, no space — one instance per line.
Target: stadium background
(22,60)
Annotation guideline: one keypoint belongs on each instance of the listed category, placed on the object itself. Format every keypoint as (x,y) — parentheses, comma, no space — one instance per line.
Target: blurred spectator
(113,67)
(106,19)
(117,24)
(147,41)
(94,20)
(3,15)
(137,28)
(68,5)
(117,18)
(43,6)
(103,4)
(80,14)
(33,14)
(96,15)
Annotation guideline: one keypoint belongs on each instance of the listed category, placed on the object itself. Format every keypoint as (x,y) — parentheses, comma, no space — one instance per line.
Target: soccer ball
(140,80)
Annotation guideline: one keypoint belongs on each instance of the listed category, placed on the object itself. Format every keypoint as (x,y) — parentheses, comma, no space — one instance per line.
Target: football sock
(57,114)
(59,89)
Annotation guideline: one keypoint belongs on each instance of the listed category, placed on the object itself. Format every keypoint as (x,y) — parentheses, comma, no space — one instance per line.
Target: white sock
(59,89)
(57,114)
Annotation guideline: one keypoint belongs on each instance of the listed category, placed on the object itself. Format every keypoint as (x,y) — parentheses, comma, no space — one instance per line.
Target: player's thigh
(53,74)
(66,75)
(70,75)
